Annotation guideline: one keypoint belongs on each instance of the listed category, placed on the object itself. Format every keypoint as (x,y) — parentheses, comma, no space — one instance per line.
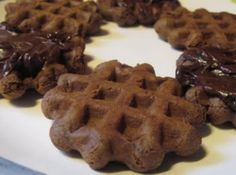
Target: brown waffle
(121,113)
(36,60)
(218,111)
(209,74)
(184,29)
(73,17)
(131,12)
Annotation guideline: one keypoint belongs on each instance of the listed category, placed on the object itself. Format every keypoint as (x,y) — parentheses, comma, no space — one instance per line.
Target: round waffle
(122,113)
(73,17)
(131,12)
(201,28)
(35,60)
(209,74)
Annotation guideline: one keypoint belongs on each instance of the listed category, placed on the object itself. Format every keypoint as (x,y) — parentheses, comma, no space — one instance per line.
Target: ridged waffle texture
(201,28)
(73,17)
(122,113)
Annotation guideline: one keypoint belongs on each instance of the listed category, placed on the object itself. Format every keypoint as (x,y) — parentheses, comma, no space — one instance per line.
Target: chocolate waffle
(201,28)
(35,60)
(131,12)
(209,74)
(73,17)
(122,113)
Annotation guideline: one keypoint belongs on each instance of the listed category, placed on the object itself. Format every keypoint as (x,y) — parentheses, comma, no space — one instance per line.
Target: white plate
(24,130)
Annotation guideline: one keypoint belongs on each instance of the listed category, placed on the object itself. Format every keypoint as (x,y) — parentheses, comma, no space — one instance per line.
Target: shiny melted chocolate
(212,69)
(27,53)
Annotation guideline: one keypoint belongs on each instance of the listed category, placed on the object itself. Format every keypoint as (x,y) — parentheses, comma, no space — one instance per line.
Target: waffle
(122,113)
(201,28)
(131,12)
(35,60)
(73,17)
(209,75)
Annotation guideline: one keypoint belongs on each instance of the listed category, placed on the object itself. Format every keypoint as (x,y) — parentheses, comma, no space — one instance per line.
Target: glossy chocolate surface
(212,69)
(26,53)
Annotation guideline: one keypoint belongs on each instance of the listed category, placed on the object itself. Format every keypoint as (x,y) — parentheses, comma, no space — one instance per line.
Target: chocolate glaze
(131,3)
(212,69)
(27,53)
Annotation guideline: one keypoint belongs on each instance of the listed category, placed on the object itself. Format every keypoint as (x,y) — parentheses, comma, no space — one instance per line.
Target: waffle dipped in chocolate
(210,75)
(73,17)
(131,12)
(121,113)
(36,60)
(201,28)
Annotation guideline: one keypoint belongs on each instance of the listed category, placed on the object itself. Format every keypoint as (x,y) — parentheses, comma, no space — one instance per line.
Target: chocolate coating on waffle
(30,55)
(122,113)
(201,28)
(73,17)
(212,71)
(132,12)
(26,53)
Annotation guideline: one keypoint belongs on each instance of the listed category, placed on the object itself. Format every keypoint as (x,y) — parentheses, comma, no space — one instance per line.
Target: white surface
(24,130)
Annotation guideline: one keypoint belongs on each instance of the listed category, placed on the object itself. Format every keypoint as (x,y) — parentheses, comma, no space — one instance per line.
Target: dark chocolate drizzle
(212,69)
(27,53)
